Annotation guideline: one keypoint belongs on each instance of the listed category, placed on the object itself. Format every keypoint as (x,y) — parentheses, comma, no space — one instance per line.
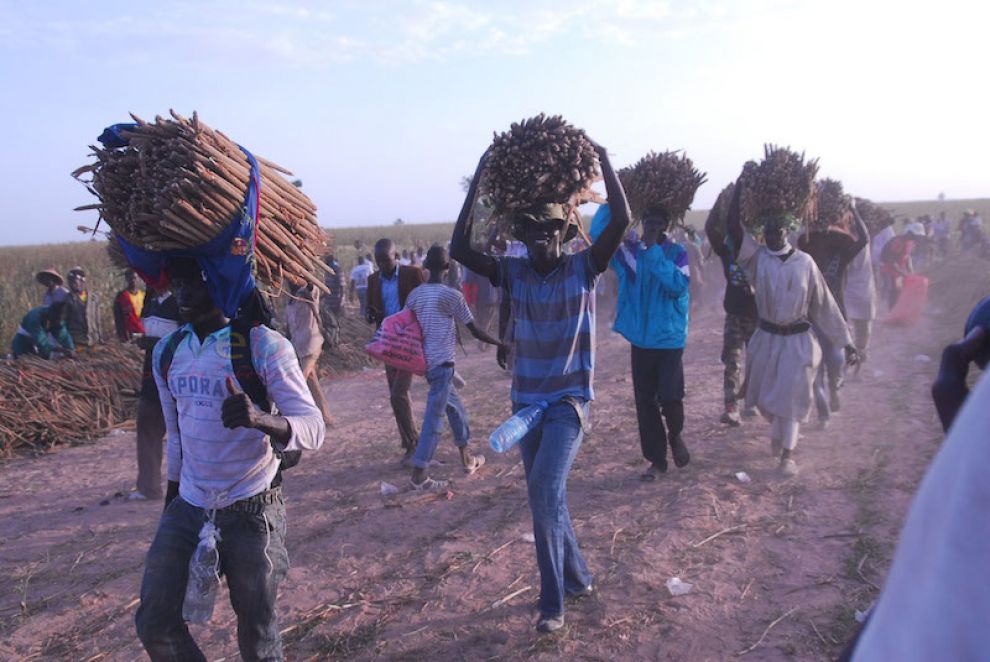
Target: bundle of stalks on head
(875,216)
(832,207)
(178,183)
(666,182)
(782,184)
(541,160)
(718,216)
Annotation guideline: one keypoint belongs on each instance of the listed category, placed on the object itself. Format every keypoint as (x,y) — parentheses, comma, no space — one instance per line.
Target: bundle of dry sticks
(832,207)
(875,216)
(666,181)
(782,184)
(178,183)
(43,403)
(540,160)
(718,216)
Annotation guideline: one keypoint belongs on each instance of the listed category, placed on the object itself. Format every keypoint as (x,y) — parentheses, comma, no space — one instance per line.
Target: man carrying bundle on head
(654,278)
(739,304)
(224,467)
(552,298)
(833,249)
(791,295)
(438,308)
(388,289)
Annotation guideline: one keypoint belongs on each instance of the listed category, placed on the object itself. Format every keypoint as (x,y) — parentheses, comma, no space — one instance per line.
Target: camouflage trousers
(738,331)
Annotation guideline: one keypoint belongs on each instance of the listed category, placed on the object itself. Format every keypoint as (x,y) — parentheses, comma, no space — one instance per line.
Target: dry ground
(450,577)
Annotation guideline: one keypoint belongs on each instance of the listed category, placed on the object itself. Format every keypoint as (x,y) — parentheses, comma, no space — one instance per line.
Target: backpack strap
(243,365)
(168,352)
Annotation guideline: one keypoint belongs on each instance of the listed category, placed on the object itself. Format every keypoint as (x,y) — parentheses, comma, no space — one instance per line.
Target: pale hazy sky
(381,107)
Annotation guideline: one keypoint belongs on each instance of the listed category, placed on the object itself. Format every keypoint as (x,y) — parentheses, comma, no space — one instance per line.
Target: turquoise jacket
(38,336)
(652,310)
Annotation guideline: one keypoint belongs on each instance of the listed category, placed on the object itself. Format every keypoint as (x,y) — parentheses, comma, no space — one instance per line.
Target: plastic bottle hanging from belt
(204,576)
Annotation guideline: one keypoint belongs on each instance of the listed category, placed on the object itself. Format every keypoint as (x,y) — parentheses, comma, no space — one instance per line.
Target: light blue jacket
(653,304)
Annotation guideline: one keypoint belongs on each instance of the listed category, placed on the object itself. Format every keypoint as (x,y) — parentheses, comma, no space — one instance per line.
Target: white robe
(935,603)
(860,295)
(780,370)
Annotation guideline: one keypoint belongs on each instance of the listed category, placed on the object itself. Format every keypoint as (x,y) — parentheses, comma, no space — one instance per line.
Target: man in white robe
(783,355)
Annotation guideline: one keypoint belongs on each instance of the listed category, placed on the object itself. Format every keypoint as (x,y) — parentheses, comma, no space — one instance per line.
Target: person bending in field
(553,311)
(223,466)
(783,355)
(39,327)
(438,308)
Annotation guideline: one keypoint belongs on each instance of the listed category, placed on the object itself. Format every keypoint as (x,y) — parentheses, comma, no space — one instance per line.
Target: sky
(381,107)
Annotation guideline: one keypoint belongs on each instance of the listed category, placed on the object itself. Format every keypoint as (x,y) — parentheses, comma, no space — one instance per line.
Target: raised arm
(611,237)
(734,221)
(862,233)
(460,242)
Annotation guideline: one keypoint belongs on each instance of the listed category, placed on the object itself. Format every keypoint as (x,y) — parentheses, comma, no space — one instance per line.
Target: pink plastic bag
(911,302)
(399,343)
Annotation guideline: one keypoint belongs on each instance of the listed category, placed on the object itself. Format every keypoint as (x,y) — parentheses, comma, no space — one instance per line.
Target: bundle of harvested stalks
(782,184)
(875,216)
(44,403)
(178,183)
(718,216)
(540,160)
(665,181)
(832,208)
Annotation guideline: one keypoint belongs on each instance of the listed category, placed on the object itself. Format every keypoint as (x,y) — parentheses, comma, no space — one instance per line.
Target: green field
(18,264)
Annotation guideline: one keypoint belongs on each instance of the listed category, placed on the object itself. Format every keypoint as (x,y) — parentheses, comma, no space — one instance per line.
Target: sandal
(477,461)
(428,485)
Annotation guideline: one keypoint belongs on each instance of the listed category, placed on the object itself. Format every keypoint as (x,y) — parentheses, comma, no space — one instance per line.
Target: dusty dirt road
(450,577)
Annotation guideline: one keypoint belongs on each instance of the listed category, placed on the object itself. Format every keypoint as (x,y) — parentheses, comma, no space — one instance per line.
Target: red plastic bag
(399,343)
(914,296)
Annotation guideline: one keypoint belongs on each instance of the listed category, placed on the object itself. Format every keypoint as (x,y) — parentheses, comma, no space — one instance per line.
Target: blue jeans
(442,397)
(248,542)
(547,453)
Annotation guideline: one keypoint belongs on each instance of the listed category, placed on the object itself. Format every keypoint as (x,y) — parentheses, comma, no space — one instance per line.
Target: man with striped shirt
(552,297)
(437,308)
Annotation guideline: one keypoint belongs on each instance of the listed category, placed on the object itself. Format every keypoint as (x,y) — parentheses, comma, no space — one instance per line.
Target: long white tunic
(860,296)
(781,369)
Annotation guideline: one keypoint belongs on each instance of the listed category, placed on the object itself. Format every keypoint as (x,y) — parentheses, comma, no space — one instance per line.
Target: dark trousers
(399,382)
(150,437)
(658,384)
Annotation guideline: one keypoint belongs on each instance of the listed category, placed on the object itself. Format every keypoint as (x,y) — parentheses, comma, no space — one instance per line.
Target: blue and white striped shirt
(216,466)
(553,327)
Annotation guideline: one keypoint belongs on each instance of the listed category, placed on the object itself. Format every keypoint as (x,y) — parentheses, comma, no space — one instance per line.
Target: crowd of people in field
(237,402)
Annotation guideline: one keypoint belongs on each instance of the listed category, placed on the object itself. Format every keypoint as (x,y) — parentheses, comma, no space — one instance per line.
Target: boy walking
(437,308)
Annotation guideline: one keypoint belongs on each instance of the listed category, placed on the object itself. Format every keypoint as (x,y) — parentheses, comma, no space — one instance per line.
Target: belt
(256,504)
(785,329)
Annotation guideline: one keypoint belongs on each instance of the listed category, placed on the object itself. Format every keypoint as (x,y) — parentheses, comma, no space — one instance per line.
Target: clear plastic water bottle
(516,427)
(204,577)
